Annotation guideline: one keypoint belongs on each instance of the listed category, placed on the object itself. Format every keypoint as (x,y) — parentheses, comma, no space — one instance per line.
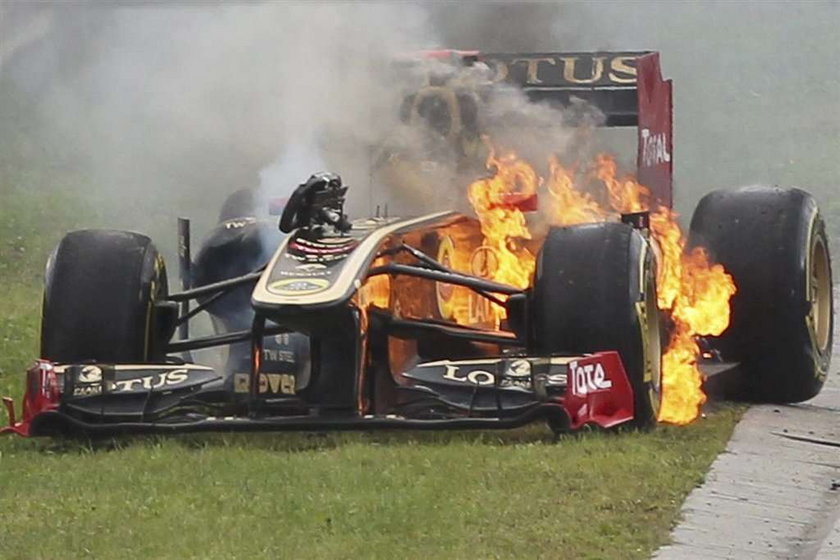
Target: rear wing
(626,86)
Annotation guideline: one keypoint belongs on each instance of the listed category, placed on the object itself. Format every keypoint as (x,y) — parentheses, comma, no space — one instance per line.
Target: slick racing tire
(773,242)
(594,289)
(101,287)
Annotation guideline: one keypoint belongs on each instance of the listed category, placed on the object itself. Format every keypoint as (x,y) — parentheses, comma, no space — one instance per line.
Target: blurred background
(150,110)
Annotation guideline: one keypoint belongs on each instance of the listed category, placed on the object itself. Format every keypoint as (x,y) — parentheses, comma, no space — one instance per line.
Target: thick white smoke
(163,110)
(159,110)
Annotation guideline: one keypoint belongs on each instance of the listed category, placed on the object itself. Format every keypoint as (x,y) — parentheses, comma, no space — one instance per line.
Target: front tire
(99,299)
(594,290)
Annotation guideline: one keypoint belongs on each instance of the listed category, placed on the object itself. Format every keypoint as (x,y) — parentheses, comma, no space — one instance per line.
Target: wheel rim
(820,295)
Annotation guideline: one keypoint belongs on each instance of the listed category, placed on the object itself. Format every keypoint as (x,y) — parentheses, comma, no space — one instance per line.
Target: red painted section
(598,391)
(448,54)
(42,394)
(524,202)
(655,159)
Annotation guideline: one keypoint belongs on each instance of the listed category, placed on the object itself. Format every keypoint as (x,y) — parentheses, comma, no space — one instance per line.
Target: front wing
(489,393)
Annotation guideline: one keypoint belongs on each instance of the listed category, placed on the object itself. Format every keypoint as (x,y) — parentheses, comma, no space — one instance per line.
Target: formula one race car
(366,324)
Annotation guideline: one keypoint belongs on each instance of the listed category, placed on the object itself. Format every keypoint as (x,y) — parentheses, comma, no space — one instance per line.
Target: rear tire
(99,299)
(773,242)
(594,290)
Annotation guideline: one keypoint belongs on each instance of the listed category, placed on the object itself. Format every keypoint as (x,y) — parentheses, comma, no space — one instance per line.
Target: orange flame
(695,293)
(567,205)
(626,195)
(503,224)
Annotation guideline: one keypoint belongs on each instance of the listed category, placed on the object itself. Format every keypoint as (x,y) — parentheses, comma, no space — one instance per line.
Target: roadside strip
(775,491)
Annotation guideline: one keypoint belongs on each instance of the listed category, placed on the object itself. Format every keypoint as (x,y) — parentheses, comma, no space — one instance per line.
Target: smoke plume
(153,110)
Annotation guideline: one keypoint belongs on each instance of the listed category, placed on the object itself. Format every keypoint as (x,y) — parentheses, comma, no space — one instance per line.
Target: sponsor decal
(517,374)
(298,286)
(313,251)
(589,378)
(654,148)
(275,355)
(87,390)
(316,256)
(519,368)
(311,258)
(238,223)
(484,262)
(304,273)
(325,246)
(480,310)
(473,377)
(565,69)
(90,374)
(269,383)
(329,258)
(90,382)
(308,267)
(443,291)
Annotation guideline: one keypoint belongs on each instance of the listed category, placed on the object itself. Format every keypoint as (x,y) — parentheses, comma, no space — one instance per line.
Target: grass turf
(411,495)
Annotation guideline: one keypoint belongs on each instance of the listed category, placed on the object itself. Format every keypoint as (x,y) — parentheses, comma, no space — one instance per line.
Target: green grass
(457,495)
(31,223)
(409,495)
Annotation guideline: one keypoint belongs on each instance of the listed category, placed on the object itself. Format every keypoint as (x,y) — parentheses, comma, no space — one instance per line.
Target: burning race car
(449,320)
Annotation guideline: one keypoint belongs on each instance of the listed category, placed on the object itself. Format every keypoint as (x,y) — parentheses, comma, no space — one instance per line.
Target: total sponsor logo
(654,148)
(90,381)
(588,379)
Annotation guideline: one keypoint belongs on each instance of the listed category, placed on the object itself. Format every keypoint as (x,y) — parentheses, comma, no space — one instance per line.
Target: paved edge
(775,491)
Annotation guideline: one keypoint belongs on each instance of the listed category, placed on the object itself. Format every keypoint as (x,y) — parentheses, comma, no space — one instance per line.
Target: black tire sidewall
(100,291)
(764,237)
(589,295)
